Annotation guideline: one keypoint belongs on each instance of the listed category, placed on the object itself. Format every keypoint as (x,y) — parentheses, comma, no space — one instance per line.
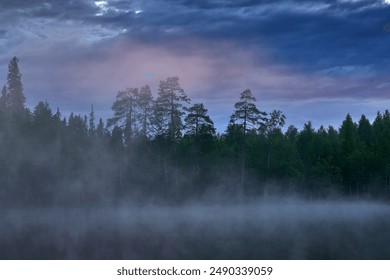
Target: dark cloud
(315,35)
(61,6)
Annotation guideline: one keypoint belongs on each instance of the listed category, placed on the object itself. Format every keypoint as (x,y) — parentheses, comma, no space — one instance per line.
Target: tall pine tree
(198,122)
(247,118)
(144,101)
(169,109)
(246,114)
(124,109)
(16,96)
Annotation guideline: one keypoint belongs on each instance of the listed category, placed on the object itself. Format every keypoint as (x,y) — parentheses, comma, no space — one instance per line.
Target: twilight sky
(313,59)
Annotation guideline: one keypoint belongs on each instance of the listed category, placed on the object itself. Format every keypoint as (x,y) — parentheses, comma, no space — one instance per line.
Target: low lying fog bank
(285,229)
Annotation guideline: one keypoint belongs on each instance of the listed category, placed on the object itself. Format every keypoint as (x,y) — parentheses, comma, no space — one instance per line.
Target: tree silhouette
(144,101)
(170,108)
(16,97)
(246,118)
(197,122)
(124,109)
(246,114)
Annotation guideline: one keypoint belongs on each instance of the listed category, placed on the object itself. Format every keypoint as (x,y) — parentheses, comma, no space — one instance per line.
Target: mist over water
(278,229)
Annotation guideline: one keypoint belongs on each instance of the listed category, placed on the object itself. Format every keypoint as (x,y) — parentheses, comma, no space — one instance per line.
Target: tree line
(164,148)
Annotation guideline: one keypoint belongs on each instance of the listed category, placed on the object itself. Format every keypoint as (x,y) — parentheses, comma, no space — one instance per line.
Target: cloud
(207,70)
(74,53)
(315,35)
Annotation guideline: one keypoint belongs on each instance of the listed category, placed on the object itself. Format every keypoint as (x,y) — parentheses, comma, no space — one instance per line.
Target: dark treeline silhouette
(164,148)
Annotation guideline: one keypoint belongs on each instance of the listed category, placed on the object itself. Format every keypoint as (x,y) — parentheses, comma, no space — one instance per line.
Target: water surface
(287,229)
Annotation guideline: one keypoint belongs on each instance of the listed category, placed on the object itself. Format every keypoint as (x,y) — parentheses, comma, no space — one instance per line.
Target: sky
(314,60)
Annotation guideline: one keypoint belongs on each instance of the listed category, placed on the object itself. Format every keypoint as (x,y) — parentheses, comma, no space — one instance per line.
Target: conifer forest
(161,146)
(156,181)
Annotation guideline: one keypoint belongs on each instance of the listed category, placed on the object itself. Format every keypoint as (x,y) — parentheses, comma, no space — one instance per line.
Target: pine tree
(42,115)
(92,127)
(100,130)
(170,108)
(198,122)
(43,123)
(275,121)
(247,118)
(348,134)
(305,147)
(124,109)
(270,128)
(292,134)
(15,87)
(246,114)
(144,102)
(350,152)
(365,130)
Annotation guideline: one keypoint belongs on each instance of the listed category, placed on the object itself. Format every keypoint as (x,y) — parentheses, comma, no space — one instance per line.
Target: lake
(284,229)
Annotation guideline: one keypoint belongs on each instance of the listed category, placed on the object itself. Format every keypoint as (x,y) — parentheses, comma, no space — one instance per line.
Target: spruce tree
(92,126)
(16,96)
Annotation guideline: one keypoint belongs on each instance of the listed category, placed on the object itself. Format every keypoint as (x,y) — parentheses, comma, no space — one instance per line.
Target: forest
(162,148)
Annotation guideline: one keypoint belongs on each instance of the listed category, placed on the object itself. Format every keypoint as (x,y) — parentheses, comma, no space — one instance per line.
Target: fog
(156,182)
(277,229)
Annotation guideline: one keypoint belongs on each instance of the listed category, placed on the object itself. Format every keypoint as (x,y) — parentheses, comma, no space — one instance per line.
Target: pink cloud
(75,77)
(215,71)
